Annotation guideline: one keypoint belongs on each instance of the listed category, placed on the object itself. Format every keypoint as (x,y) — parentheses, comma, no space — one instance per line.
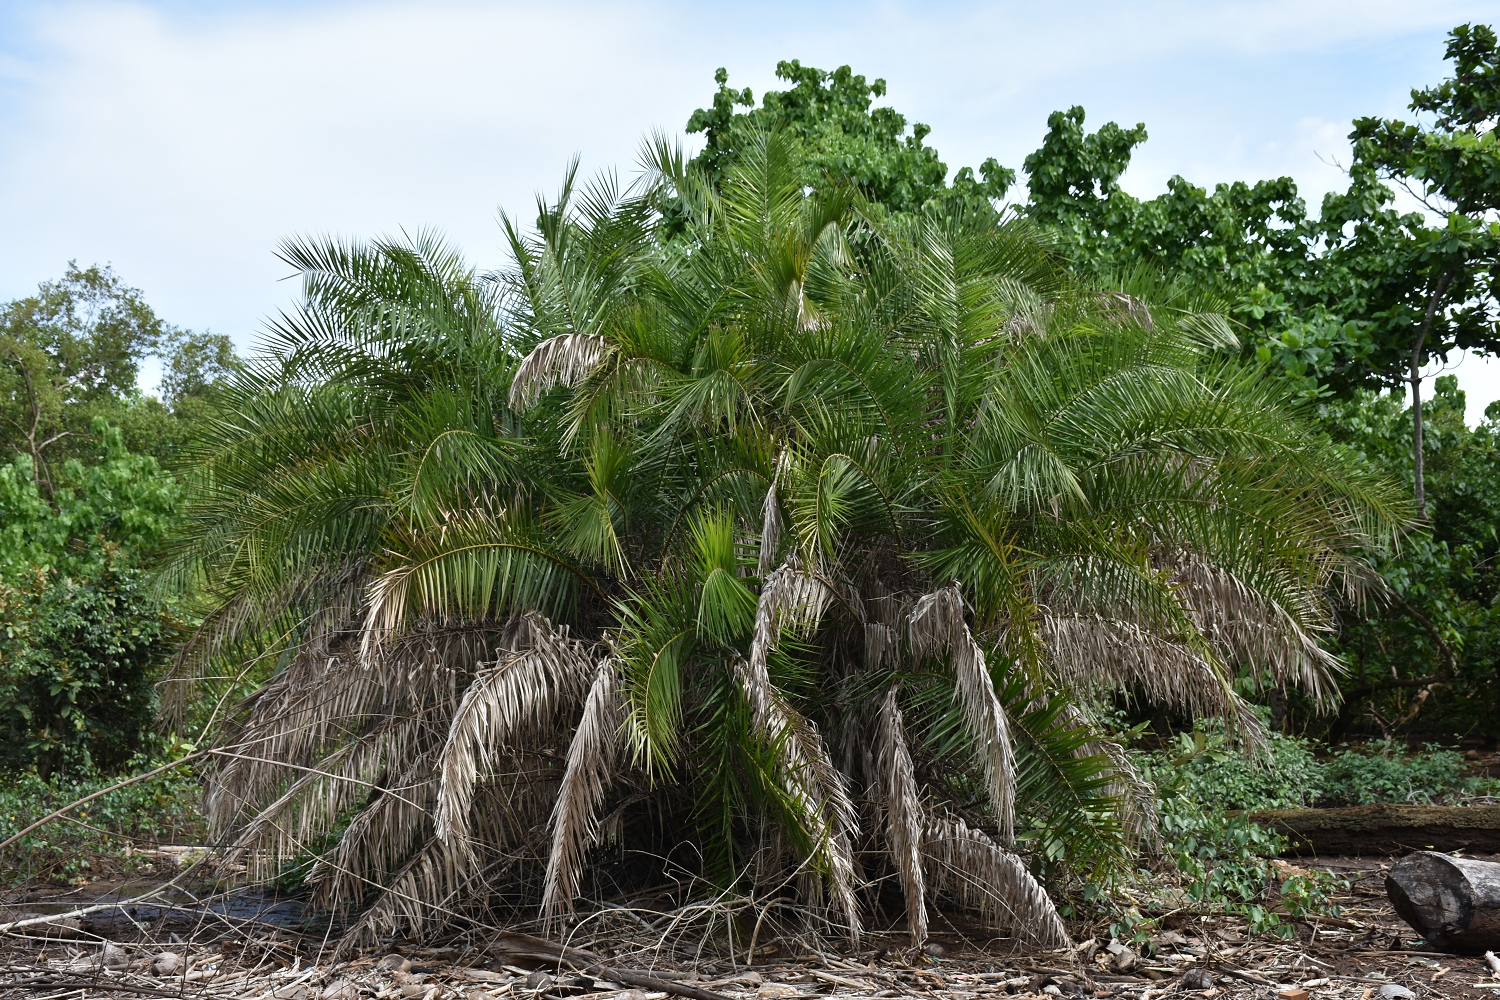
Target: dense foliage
(84,639)
(845,141)
(85,507)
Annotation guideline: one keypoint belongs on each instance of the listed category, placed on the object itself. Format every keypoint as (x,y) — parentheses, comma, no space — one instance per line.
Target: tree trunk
(1452,902)
(1277,701)
(1414,377)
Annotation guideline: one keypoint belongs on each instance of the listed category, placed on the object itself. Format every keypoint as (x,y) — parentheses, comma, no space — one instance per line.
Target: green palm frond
(788,465)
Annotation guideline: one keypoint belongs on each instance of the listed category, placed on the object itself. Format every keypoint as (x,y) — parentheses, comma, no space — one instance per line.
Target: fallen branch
(92,983)
(514,944)
(630,978)
(1247,976)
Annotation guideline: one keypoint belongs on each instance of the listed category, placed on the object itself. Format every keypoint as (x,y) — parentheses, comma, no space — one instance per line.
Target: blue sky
(182,141)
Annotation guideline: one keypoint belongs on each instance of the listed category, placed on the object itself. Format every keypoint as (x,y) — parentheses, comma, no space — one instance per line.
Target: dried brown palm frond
(813,784)
(328,587)
(903,814)
(882,645)
(791,598)
(1125,308)
(937,625)
(389,835)
(1250,629)
(326,697)
(1094,653)
(1136,795)
(770,533)
(980,874)
(429,885)
(319,794)
(591,757)
(521,692)
(561,360)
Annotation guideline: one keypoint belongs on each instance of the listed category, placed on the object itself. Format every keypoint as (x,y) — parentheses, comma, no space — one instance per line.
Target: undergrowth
(101,837)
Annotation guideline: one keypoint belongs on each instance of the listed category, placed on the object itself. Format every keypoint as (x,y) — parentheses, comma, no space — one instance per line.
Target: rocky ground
(252,948)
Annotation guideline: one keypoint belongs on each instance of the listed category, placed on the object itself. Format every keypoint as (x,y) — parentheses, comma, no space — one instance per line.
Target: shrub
(1386,772)
(76,679)
(83,637)
(163,808)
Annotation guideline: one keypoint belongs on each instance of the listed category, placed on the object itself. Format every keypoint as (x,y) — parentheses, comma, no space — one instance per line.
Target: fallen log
(1383,830)
(1452,902)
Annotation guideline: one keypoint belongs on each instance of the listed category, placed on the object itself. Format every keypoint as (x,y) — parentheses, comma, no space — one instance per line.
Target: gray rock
(538,980)
(340,989)
(168,963)
(113,956)
(1395,991)
(1197,979)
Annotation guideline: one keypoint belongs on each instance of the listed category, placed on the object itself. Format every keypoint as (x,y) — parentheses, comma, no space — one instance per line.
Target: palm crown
(816,530)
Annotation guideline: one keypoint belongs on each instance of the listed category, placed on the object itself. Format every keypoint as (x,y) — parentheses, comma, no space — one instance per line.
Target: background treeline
(1346,302)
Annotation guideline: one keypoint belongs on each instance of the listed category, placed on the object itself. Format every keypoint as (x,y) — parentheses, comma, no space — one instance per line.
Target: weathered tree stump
(1453,902)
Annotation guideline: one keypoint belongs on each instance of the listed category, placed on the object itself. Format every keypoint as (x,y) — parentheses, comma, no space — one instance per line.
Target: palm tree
(803,534)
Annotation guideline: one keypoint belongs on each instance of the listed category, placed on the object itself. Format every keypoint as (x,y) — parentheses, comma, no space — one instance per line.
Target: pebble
(340,989)
(168,963)
(778,991)
(1197,979)
(1395,991)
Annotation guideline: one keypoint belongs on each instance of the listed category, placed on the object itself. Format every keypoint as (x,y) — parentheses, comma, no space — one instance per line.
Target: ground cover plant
(792,532)
(1296,773)
(102,838)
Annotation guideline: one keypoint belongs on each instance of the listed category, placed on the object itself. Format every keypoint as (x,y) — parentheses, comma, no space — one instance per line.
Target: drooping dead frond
(770,529)
(1248,628)
(789,598)
(329,588)
(792,598)
(1090,652)
(521,690)
(560,360)
(591,757)
(984,876)
(903,814)
(325,697)
(770,533)
(936,626)
(1137,796)
(814,786)
(881,645)
(1125,308)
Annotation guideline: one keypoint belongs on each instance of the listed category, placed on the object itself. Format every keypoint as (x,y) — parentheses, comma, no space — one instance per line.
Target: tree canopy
(844,140)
